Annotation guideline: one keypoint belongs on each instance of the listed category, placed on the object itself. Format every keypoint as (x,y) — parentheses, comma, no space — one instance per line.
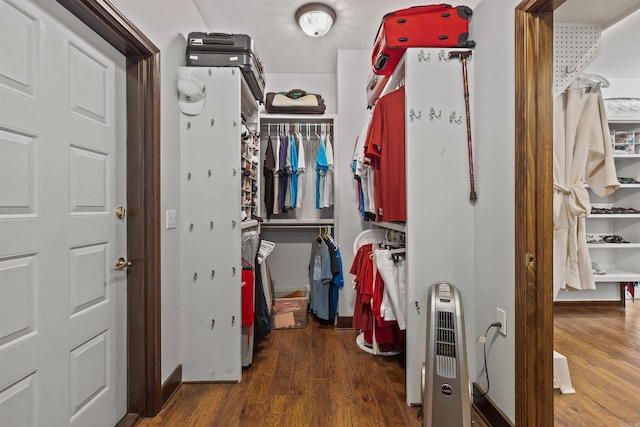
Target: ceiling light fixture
(315,19)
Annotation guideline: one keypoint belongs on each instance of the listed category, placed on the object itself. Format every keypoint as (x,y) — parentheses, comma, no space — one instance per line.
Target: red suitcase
(437,25)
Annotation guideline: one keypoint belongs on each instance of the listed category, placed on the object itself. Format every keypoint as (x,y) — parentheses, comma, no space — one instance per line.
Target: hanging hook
(413,115)
(422,57)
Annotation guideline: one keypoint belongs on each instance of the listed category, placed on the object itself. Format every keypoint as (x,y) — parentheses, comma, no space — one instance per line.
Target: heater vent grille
(446,345)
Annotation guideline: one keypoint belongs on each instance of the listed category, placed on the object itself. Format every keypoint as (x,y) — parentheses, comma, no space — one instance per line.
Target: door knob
(122,263)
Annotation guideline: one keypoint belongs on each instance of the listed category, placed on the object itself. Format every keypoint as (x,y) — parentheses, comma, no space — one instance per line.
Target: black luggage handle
(200,41)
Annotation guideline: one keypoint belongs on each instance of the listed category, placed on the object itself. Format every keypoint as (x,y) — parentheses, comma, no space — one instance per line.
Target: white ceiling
(603,12)
(284,48)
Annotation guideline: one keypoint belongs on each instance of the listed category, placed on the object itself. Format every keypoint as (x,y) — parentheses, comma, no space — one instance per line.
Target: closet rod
(311,227)
(294,122)
(283,223)
(398,251)
(397,226)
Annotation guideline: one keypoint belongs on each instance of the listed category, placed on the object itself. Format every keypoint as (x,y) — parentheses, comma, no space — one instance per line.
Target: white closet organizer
(440,218)
(212,159)
(294,230)
(310,126)
(621,261)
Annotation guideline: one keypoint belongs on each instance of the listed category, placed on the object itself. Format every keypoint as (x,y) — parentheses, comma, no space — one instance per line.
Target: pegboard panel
(575,47)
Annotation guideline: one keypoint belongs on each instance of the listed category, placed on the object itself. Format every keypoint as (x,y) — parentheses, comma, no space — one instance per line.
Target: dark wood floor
(602,346)
(314,376)
(317,377)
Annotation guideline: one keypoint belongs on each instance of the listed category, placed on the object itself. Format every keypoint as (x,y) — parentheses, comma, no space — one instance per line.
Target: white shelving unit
(269,126)
(621,261)
(294,230)
(440,218)
(211,227)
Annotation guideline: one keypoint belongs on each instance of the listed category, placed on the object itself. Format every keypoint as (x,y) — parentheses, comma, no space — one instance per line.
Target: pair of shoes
(618,210)
(624,180)
(597,269)
(613,238)
(594,238)
(600,211)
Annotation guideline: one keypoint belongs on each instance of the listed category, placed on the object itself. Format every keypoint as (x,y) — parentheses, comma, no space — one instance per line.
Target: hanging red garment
(630,288)
(366,316)
(247,297)
(361,268)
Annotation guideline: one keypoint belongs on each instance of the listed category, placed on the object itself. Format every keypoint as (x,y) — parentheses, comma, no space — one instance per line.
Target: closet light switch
(171,219)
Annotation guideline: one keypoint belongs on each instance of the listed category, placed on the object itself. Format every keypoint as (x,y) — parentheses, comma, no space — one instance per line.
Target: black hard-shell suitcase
(227,50)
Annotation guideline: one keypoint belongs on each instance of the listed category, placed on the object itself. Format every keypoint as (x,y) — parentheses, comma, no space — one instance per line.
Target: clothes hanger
(246,264)
(593,82)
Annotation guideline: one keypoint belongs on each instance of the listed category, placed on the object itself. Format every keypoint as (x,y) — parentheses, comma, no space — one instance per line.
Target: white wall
(164,22)
(494,151)
(353,70)
(620,88)
(619,54)
(322,84)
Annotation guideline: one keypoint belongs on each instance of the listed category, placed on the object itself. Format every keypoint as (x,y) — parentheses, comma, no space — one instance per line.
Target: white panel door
(62,304)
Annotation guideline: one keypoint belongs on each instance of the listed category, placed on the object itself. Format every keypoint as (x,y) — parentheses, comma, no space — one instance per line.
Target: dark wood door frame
(143,197)
(534,212)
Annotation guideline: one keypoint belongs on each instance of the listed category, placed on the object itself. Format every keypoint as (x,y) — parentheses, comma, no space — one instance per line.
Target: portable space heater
(446,391)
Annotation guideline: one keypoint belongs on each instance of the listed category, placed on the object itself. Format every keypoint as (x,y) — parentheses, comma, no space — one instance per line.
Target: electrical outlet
(501,316)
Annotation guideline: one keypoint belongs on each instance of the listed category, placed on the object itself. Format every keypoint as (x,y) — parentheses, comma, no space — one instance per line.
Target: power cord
(484,350)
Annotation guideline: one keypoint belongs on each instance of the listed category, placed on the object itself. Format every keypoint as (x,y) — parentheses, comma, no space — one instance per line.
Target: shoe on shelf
(614,238)
(624,180)
(619,210)
(597,269)
(594,238)
(595,211)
